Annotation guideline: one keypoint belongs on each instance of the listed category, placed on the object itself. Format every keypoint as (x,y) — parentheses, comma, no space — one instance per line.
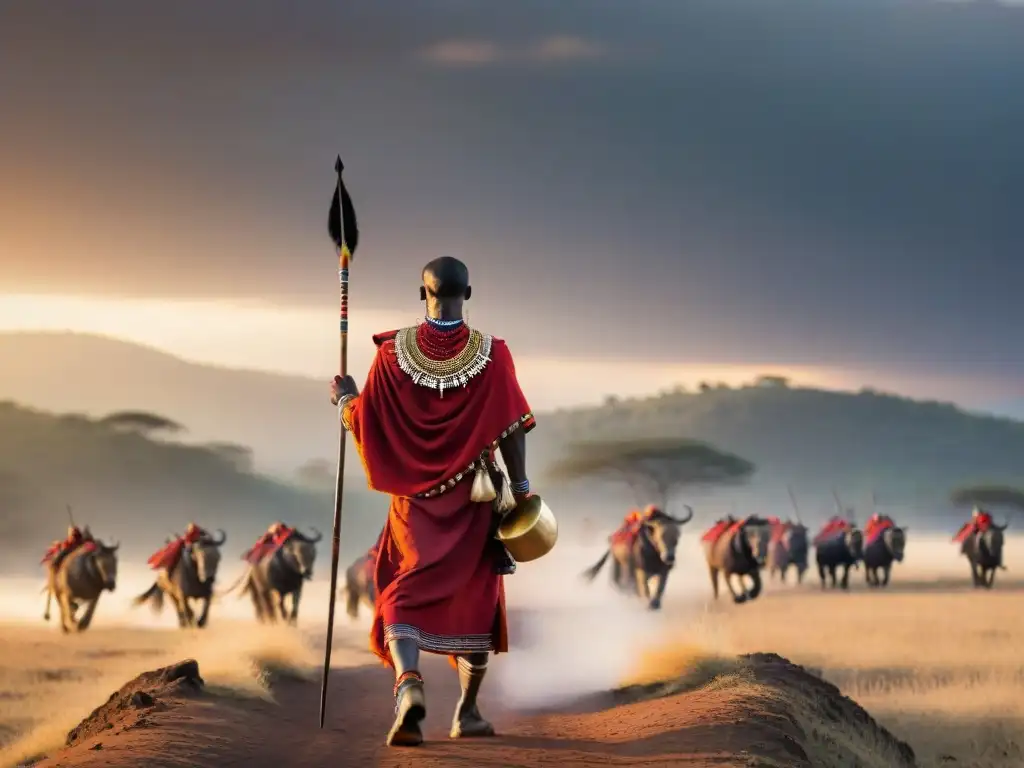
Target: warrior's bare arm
(513,451)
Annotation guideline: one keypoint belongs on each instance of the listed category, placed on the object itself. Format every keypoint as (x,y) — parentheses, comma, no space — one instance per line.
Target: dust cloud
(571,638)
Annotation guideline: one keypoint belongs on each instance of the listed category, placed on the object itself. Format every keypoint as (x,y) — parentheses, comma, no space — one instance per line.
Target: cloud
(469,52)
(463,52)
(564,48)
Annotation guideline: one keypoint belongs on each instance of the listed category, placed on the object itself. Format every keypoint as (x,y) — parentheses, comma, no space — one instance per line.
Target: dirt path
(728,723)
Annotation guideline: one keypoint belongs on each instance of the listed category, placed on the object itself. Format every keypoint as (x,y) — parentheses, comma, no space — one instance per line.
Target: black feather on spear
(343,229)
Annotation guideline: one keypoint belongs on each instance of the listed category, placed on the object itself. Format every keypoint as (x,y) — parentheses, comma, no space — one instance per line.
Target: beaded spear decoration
(342,227)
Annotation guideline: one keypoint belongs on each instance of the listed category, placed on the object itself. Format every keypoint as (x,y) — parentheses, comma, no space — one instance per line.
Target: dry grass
(945,672)
(939,664)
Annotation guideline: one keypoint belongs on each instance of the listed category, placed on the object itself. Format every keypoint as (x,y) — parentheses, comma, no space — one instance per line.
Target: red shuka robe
(719,529)
(977,524)
(627,532)
(832,528)
(435,576)
(875,527)
(63,546)
(168,555)
(779,529)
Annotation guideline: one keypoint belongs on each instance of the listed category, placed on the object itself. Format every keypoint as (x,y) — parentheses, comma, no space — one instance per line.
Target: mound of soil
(758,711)
(837,730)
(133,704)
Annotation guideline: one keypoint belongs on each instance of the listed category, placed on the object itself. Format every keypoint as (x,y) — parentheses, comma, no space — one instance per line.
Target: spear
(341,225)
(796,507)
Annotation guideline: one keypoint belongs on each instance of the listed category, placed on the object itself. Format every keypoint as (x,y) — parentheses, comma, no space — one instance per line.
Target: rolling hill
(911,452)
(285,420)
(134,486)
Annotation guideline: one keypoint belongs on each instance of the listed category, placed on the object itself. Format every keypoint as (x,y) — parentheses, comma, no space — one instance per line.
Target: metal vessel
(530,530)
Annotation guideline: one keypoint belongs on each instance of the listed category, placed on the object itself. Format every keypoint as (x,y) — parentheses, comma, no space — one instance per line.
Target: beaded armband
(343,411)
(521,488)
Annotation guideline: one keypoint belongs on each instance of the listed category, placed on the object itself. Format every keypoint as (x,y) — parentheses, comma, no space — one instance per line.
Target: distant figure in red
(980,522)
(628,522)
(875,526)
(167,557)
(835,526)
(631,525)
(61,549)
(715,532)
(440,399)
(778,529)
(276,535)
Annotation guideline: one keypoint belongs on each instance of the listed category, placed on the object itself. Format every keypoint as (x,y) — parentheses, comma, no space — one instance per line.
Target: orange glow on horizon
(304,342)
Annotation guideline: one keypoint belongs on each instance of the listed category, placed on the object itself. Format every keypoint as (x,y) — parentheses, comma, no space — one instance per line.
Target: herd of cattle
(273,582)
(737,551)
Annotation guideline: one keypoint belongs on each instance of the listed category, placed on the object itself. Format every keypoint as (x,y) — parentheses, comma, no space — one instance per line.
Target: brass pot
(529,531)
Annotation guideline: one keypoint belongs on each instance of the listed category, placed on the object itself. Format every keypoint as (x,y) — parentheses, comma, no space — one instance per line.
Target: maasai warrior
(440,398)
(875,525)
(778,528)
(167,556)
(61,549)
(833,527)
(276,535)
(715,532)
(980,522)
(649,512)
(629,527)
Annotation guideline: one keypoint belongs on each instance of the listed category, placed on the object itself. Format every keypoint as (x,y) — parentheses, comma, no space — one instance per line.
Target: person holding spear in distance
(440,399)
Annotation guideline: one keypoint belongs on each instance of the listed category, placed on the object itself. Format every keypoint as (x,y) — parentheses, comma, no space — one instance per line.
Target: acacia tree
(141,421)
(997,495)
(655,468)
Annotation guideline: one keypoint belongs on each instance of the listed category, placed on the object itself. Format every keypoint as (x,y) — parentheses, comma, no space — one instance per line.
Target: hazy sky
(836,183)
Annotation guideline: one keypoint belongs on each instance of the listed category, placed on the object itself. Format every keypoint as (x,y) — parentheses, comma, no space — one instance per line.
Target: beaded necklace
(442,325)
(442,359)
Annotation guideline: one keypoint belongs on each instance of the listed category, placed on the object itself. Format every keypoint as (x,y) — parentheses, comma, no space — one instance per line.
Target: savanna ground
(938,664)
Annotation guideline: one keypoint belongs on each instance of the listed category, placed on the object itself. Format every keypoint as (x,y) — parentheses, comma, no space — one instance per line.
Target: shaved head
(446,278)
(445,287)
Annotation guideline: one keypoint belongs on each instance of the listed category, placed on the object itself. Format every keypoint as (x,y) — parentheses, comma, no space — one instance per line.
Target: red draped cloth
(435,577)
(875,527)
(715,532)
(628,531)
(64,546)
(976,525)
(778,529)
(832,528)
(268,544)
(167,556)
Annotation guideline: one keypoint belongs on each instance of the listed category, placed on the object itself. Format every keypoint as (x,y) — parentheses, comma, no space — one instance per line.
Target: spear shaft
(344,259)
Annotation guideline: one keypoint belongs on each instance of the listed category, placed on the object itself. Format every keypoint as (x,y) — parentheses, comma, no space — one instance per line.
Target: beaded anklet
(404,681)
(407,678)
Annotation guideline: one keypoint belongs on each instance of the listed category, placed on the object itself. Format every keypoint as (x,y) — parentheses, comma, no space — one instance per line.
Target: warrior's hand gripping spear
(342,227)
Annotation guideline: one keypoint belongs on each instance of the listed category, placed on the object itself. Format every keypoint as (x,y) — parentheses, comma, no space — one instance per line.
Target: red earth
(766,712)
